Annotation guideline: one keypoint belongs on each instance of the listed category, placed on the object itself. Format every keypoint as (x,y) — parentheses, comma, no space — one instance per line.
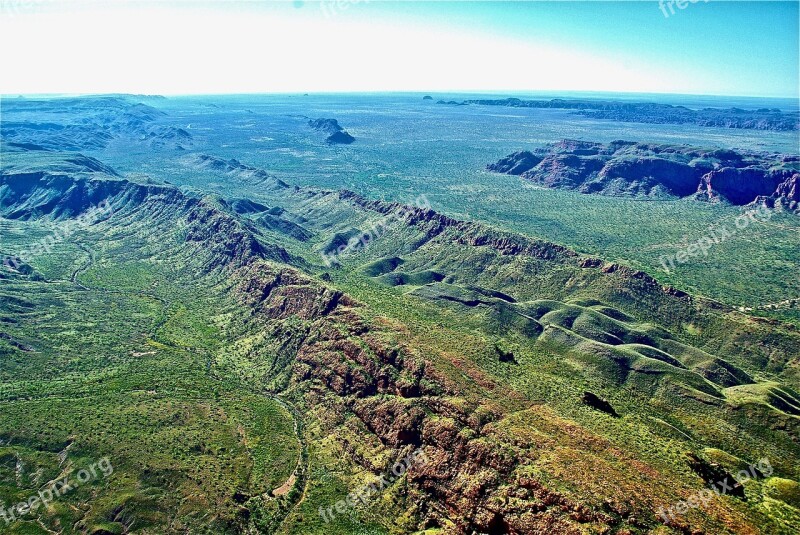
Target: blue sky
(714,47)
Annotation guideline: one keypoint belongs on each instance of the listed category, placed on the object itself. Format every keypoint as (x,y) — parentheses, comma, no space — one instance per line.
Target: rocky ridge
(623,168)
(653,113)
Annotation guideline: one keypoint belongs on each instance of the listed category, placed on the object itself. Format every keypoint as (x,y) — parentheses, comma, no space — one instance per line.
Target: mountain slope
(473,344)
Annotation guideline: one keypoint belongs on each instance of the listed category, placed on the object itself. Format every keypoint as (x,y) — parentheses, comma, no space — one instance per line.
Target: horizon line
(391,91)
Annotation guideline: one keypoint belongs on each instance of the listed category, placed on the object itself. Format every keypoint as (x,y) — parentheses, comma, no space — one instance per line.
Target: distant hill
(336,134)
(650,112)
(103,119)
(623,168)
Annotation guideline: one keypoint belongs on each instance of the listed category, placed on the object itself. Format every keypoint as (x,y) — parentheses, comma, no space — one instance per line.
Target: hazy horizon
(692,101)
(351,46)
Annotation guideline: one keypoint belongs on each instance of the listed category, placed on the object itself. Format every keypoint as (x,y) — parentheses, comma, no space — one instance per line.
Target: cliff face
(645,173)
(789,191)
(68,186)
(742,186)
(787,195)
(637,169)
(516,163)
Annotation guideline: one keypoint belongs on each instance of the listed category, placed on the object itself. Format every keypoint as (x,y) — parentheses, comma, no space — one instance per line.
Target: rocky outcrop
(515,164)
(340,138)
(788,192)
(336,134)
(623,168)
(787,195)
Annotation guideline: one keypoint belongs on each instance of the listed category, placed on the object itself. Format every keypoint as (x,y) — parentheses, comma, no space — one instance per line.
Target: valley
(523,338)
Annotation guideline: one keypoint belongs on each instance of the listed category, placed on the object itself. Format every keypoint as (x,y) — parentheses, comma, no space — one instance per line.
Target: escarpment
(342,362)
(628,169)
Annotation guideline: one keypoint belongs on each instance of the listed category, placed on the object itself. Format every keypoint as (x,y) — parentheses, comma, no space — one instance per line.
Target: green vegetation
(121,370)
(239,385)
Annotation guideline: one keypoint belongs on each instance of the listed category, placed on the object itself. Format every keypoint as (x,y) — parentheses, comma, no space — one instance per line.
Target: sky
(718,47)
